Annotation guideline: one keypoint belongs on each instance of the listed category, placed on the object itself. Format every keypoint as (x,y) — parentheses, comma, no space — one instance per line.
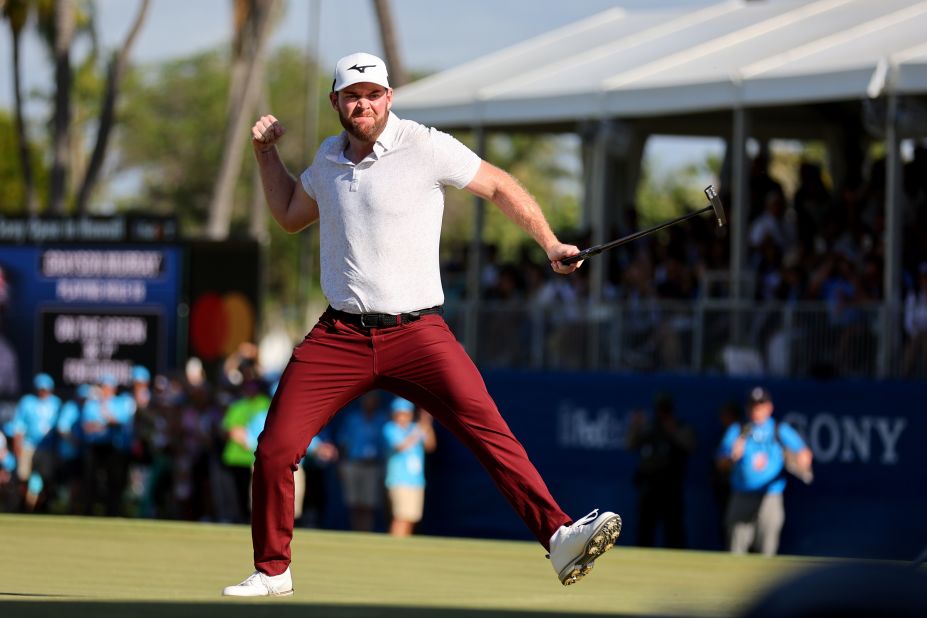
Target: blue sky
(433,34)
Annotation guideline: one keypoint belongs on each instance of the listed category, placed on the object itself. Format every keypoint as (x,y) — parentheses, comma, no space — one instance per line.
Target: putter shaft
(630,237)
(714,205)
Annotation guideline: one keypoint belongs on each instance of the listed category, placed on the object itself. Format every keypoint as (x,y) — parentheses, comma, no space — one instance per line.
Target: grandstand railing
(807,339)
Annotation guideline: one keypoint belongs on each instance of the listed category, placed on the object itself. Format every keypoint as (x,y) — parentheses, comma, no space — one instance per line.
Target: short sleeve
(90,413)
(727,443)
(24,409)
(790,438)
(254,429)
(455,164)
(68,417)
(233,417)
(17,424)
(306,180)
(392,435)
(129,407)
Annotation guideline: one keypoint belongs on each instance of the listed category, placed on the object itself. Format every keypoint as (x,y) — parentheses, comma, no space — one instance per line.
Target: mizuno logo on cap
(362,68)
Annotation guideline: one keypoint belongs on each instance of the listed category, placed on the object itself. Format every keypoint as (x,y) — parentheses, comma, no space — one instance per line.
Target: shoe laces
(587,519)
(591,517)
(255,579)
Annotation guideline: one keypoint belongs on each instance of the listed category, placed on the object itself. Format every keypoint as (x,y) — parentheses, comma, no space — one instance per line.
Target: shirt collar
(766,425)
(385,142)
(387,139)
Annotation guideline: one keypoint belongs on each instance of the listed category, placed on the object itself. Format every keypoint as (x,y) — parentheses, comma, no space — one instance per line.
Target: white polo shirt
(380,220)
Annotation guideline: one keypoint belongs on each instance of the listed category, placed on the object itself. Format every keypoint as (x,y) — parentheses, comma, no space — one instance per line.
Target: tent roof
(708,58)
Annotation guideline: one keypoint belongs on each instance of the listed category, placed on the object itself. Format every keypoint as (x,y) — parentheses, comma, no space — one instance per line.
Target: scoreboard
(78,312)
(85,297)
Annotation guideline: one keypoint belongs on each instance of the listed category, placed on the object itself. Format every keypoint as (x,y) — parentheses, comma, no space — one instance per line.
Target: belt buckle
(363,320)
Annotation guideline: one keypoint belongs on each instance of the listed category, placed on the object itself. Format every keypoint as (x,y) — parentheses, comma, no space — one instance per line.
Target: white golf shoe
(574,548)
(260,585)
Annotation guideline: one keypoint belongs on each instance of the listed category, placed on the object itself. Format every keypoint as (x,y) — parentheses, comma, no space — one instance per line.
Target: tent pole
(739,215)
(597,224)
(475,261)
(891,283)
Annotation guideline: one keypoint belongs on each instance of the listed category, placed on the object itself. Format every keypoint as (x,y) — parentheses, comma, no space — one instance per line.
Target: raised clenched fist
(265,133)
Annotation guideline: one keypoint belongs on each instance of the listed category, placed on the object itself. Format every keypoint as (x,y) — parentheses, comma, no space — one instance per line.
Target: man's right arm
(289,204)
(731,449)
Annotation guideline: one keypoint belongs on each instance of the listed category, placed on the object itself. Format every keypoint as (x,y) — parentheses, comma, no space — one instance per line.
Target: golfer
(377,191)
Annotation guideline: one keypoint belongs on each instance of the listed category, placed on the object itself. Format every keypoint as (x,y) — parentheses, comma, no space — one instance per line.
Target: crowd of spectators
(820,244)
(182,447)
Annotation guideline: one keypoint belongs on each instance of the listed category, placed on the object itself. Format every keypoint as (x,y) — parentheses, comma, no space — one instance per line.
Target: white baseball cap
(357,68)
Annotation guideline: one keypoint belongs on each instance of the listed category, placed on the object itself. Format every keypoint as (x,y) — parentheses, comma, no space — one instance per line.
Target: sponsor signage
(79,311)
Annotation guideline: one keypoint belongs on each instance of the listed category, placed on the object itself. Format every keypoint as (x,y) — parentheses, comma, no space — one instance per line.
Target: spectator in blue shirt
(33,432)
(143,420)
(70,443)
(360,444)
(406,443)
(104,423)
(7,461)
(7,467)
(133,439)
(756,453)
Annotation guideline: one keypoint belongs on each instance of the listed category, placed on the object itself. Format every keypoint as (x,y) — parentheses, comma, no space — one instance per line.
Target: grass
(69,566)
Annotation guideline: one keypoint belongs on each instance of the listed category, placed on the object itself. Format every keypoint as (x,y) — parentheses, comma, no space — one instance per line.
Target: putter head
(716,205)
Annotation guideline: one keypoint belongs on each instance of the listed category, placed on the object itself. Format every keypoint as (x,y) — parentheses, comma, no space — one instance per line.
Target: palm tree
(397,73)
(114,75)
(16,12)
(64,25)
(59,23)
(253,23)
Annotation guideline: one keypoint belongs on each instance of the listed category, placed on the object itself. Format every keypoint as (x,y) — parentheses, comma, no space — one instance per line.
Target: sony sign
(846,439)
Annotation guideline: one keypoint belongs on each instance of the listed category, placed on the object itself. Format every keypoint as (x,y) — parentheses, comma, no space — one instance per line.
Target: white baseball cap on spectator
(357,68)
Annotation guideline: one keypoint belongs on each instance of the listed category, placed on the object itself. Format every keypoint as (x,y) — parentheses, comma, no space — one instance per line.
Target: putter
(713,205)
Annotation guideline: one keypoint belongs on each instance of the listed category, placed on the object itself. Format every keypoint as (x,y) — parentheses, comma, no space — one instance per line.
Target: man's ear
(333,99)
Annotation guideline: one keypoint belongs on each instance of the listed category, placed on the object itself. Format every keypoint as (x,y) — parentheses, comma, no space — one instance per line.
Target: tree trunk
(64,33)
(258,209)
(30,203)
(220,207)
(244,16)
(115,73)
(397,73)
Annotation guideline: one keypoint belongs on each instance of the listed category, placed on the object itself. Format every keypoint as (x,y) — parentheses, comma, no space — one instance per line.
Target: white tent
(715,57)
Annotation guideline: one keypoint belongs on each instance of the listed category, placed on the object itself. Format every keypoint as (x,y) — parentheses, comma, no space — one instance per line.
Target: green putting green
(75,567)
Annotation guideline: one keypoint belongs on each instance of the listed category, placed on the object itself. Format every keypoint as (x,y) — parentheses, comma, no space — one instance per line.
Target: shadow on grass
(251,609)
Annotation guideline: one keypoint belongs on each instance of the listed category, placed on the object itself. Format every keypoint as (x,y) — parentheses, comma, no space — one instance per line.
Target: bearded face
(363,110)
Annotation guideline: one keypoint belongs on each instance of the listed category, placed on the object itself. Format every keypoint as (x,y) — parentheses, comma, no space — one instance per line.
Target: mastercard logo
(219,323)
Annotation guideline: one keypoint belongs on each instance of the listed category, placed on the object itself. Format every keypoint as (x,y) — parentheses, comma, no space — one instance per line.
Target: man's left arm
(500,188)
(794,443)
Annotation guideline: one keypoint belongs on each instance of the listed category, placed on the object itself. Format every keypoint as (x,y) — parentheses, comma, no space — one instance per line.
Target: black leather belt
(381,320)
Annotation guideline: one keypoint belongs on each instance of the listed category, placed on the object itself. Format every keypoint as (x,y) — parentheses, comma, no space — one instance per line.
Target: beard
(367,134)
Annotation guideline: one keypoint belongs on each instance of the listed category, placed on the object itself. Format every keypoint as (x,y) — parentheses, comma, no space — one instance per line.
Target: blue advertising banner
(868,497)
(81,311)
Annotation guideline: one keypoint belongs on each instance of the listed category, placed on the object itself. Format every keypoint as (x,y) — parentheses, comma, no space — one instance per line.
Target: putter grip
(582,255)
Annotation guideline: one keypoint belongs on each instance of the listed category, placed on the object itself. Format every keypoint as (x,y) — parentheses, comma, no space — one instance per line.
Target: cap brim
(338,87)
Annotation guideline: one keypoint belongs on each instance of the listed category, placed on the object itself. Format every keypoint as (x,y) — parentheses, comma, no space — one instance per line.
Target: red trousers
(421,361)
